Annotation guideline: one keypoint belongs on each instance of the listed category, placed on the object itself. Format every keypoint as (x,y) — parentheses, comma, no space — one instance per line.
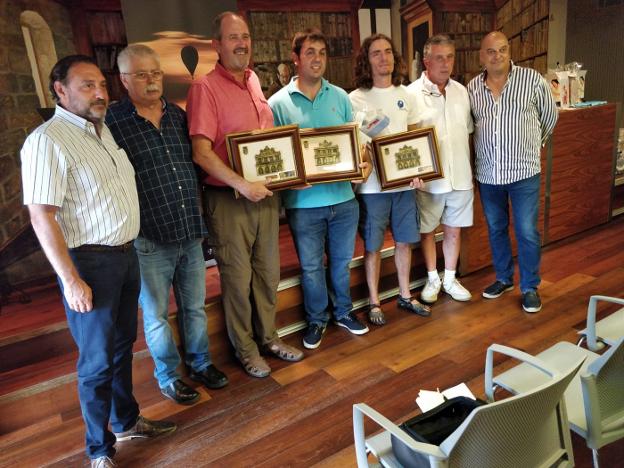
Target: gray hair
(134,50)
(438,39)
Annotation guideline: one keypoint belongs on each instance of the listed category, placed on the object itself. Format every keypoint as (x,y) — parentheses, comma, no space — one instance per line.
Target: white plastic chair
(608,330)
(594,399)
(528,429)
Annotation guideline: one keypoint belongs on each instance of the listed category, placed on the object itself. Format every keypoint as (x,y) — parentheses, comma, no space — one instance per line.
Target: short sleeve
(201,111)
(44,171)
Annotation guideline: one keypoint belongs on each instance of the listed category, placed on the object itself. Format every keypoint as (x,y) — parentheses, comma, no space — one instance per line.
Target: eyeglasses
(143,76)
(431,93)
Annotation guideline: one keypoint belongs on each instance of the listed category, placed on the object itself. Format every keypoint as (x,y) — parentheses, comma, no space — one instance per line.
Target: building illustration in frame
(407,157)
(326,153)
(268,161)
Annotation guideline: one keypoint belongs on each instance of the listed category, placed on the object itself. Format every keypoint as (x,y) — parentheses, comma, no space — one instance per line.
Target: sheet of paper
(427,400)
(458,390)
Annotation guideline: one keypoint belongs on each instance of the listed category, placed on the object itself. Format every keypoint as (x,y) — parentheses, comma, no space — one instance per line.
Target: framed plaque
(403,156)
(272,156)
(331,154)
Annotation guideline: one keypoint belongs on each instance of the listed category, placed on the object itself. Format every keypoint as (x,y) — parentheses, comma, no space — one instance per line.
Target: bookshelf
(273,25)
(467,30)
(525,23)
(99,31)
(466,22)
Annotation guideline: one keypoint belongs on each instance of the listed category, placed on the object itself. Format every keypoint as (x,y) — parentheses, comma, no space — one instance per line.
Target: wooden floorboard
(301,415)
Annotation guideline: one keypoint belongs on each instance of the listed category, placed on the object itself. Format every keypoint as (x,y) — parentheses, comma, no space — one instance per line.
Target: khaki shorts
(452,209)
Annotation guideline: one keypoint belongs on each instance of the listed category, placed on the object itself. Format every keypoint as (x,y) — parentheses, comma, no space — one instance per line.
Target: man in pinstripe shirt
(514,113)
(80,191)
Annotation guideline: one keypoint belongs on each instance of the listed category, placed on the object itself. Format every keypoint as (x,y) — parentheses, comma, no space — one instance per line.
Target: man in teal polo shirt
(323,218)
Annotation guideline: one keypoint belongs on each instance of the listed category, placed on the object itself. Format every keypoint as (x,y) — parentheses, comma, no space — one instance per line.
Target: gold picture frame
(331,154)
(272,156)
(402,156)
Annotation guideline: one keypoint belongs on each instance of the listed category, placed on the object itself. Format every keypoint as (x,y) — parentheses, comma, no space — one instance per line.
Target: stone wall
(18,116)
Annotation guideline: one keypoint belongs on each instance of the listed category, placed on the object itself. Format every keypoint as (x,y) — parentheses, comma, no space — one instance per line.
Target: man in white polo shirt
(81,195)
(444,104)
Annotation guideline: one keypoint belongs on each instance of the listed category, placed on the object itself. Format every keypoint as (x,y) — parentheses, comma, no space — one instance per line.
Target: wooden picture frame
(272,155)
(402,156)
(331,154)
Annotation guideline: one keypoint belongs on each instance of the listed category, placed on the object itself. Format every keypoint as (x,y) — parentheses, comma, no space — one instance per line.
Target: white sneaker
(456,291)
(430,291)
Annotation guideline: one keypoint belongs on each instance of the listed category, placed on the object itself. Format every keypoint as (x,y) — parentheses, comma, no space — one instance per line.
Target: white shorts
(452,209)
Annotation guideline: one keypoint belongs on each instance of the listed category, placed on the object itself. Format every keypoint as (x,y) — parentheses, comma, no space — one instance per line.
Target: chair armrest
(592,340)
(516,354)
(361,409)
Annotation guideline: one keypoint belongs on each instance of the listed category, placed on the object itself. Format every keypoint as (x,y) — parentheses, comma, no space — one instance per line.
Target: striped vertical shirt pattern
(90,179)
(167,180)
(510,131)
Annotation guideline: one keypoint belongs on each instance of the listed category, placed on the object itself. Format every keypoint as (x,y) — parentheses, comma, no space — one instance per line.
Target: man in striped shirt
(514,113)
(80,191)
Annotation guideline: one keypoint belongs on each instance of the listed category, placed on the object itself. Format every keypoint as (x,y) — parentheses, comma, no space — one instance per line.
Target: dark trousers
(104,337)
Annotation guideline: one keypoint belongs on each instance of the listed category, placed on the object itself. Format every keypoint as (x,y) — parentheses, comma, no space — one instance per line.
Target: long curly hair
(363,73)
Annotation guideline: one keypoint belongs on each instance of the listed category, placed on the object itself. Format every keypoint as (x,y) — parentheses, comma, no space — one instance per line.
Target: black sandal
(376,315)
(414,306)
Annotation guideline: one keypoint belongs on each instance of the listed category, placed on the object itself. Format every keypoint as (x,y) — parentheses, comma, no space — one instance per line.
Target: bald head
(495,53)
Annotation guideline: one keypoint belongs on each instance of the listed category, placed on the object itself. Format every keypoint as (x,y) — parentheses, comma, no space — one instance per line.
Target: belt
(103,248)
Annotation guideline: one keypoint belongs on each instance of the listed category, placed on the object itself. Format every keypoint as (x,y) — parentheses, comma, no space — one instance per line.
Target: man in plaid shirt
(154,134)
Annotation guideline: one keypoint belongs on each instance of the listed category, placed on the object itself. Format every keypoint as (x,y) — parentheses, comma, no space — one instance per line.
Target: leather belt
(103,248)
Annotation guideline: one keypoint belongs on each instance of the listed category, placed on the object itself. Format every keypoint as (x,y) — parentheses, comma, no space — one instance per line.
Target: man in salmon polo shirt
(243,231)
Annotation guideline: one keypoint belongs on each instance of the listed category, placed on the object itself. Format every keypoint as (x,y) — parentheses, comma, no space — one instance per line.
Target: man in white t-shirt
(382,106)
(444,104)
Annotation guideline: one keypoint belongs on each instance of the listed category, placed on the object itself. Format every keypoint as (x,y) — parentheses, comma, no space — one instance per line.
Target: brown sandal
(376,315)
(284,351)
(256,366)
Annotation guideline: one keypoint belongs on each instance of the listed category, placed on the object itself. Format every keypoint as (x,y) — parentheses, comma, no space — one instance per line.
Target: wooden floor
(301,414)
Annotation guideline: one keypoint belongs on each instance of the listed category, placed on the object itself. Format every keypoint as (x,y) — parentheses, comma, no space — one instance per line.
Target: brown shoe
(145,428)
(284,351)
(256,366)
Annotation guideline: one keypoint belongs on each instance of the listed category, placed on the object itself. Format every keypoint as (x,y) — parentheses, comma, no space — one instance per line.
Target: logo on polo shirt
(400,104)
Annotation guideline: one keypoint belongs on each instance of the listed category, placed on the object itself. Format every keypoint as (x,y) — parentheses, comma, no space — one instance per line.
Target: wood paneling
(582,166)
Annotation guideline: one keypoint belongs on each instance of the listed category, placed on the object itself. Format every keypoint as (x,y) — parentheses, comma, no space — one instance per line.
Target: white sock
(449,276)
(433,275)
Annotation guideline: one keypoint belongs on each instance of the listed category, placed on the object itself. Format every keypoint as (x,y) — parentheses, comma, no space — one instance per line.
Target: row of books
(538,63)
(466,22)
(532,41)
(467,61)
(467,41)
(340,72)
(280,50)
(284,25)
(512,21)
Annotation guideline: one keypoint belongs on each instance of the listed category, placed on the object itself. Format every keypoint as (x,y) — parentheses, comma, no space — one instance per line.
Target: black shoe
(181,393)
(352,323)
(146,428)
(531,301)
(411,304)
(497,289)
(313,336)
(211,377)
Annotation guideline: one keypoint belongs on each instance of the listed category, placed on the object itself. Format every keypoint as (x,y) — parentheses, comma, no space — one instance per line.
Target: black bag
(433,427)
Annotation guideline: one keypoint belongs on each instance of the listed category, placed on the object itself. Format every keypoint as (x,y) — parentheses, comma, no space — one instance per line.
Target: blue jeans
(524,197)
(315,231)
(182,265)
(104,337)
